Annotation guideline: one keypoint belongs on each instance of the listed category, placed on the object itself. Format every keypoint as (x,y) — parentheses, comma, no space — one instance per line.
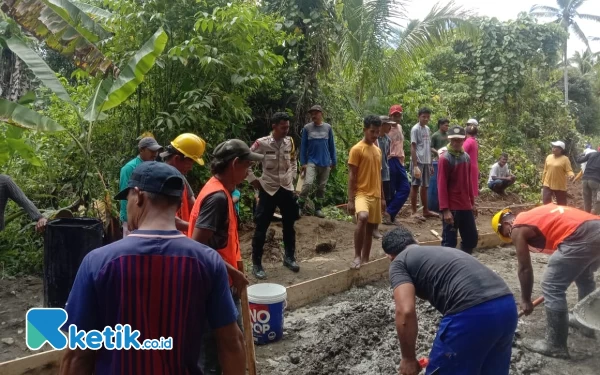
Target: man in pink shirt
(472,148)
(399,185)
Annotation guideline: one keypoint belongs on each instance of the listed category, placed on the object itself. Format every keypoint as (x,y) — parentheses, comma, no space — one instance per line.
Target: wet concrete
(354,333)
(587,312)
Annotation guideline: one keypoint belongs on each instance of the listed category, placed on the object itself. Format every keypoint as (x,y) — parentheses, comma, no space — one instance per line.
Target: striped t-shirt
(162,284)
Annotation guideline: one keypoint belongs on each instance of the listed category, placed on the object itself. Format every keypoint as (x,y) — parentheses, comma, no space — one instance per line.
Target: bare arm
(78,362)
(352,176)
(230,345)
(406,320)
(525,269)
(413,154)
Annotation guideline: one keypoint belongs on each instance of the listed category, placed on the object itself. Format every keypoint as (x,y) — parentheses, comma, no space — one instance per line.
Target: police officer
(276,189)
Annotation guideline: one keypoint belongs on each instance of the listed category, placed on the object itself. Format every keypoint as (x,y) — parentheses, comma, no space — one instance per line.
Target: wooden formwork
(298,295)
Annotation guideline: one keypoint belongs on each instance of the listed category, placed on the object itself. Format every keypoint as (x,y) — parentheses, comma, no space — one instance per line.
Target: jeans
(209,356)
(285,200)
(575,260)
(476,341)
(399,187)
(499,185)
(464,222)
(321,175)
(591,189)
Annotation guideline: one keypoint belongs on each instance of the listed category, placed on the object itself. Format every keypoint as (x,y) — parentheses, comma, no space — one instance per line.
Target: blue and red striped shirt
(162,284)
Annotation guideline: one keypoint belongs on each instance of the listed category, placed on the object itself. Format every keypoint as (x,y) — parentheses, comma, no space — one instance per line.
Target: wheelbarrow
(587,311)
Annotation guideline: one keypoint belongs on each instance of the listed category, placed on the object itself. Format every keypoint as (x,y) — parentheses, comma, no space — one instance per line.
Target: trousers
(476,341)
(399,187)
(209,356)
(591,189)
(464,222)
(286,201)
(320,175)
(575,260)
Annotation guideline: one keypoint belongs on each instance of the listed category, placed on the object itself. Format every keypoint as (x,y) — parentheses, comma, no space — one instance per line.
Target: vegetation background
(81,81)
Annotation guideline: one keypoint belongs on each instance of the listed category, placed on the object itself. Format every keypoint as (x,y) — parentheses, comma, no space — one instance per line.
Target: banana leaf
(23,117)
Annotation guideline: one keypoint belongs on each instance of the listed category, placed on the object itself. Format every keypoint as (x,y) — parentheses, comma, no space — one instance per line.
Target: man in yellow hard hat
(182,153)
(572,237)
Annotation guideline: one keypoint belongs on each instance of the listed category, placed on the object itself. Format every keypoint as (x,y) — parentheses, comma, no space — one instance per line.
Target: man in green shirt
(439,139)
(148,148)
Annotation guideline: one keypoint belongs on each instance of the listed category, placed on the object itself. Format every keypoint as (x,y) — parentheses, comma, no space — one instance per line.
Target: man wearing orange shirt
(572,237)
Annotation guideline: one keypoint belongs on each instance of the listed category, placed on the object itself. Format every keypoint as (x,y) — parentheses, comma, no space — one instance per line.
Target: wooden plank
(310,291)
(45,363)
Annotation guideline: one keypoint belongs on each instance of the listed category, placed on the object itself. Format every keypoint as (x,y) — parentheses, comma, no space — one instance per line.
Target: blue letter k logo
(43,325)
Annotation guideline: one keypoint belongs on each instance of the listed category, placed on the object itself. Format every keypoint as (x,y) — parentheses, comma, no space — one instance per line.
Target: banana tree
(70,28)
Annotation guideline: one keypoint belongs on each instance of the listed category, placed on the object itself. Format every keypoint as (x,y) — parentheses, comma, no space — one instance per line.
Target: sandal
(419,217)
(355,264)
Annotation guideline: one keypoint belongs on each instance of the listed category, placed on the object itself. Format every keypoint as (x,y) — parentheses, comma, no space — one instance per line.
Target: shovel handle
(536,302)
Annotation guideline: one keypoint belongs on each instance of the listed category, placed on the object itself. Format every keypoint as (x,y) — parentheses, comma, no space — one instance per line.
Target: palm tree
(566,15)
(584,61)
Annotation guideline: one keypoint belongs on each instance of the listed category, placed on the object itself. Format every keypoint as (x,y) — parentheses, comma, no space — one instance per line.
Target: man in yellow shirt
(365,189)
(554,178)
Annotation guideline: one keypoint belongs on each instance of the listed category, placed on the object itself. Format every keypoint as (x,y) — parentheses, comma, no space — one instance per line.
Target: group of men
(375,197)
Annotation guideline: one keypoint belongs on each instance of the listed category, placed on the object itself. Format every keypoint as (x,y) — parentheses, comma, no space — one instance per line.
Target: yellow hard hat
(497,224)
(191,146)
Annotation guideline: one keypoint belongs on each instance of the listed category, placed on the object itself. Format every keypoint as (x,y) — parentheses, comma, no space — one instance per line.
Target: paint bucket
(267,302)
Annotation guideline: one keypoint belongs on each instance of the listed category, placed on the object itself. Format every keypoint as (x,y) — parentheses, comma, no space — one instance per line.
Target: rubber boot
(557,331)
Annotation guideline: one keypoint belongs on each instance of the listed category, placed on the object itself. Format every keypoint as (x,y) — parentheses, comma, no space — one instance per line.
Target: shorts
(372,205)
(425,175)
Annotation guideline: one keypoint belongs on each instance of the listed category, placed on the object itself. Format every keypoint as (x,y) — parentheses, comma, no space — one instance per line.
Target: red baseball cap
(395,108)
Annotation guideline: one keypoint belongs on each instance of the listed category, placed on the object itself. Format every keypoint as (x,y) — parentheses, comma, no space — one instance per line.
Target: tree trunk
(15,82)
(566,74)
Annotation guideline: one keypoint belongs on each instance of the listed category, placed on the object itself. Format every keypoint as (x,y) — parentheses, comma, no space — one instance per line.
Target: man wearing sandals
(420,165)
(365,194)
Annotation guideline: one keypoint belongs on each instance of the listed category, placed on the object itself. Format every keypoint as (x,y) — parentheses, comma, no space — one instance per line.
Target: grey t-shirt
(450,279)
(421,137)
(214,216)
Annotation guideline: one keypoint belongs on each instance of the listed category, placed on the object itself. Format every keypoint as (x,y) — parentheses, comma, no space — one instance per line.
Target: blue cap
(154,177)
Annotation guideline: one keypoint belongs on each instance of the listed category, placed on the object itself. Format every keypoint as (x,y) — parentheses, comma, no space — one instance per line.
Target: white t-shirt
(498,171)
(421,137)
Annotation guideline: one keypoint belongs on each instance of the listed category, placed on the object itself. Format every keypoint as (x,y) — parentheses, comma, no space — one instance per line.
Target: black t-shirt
(450,279)
(214,216)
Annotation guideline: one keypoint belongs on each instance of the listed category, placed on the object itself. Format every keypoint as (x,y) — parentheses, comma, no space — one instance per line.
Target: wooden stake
(248,338)
(436,234)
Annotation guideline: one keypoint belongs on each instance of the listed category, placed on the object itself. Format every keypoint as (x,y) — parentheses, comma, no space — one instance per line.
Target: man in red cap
(399,186)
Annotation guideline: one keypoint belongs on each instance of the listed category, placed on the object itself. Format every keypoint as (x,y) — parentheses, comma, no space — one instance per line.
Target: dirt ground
(353,333)
(17,295)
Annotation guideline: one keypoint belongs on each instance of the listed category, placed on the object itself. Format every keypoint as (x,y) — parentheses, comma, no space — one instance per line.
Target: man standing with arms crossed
(148,148)
(399,185)
(572,237)
(276,189)
(420,165)
(317,158)
(159,282)
(365,193)
(214,223)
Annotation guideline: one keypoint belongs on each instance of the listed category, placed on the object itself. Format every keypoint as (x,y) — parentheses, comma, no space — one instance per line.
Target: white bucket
(267,302)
